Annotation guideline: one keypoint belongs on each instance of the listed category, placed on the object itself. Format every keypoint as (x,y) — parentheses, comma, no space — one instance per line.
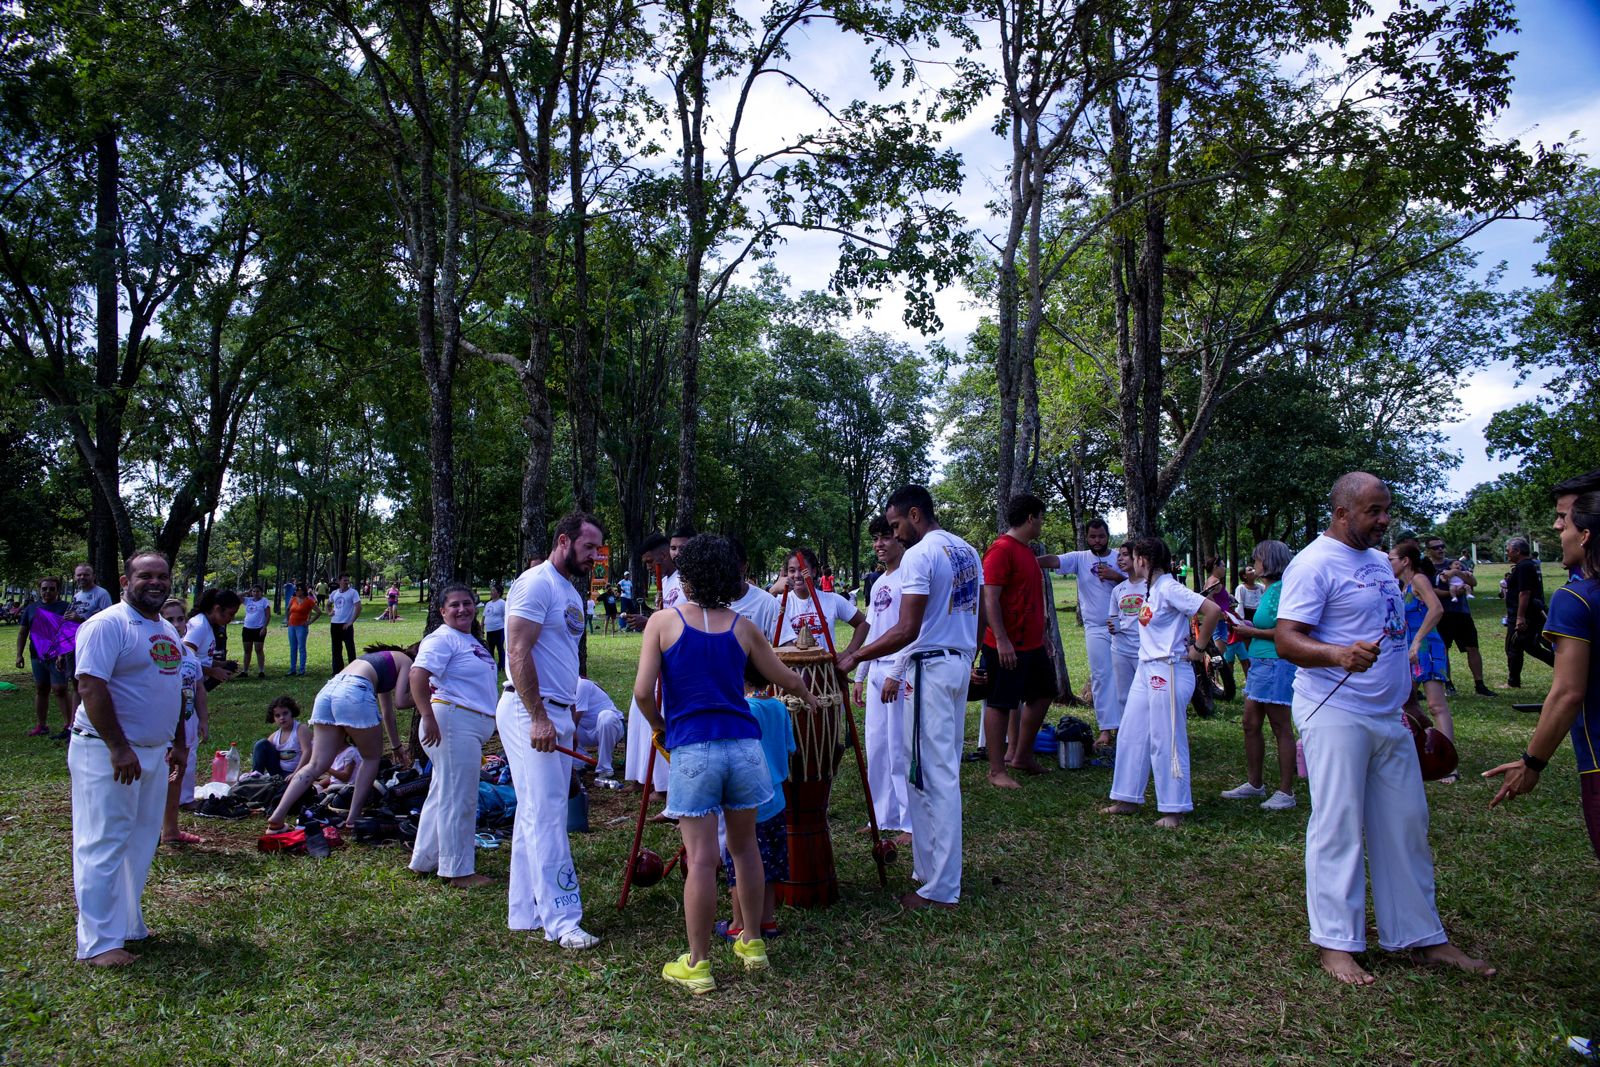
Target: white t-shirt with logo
(592,700)
(672,591)
(947,571)
(543,596)
(1349,595)
(494,615)
(202,637)
(86,603)
(463,672)
(141,662)
(760,607)
(798,610)
(1164,618)
(883,611)
(1127,600)
(345,602)
(256,612)
(1094,592)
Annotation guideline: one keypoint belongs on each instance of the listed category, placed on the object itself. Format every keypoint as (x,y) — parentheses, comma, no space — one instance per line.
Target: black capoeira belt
(563,705)
(85,733)
(914,772)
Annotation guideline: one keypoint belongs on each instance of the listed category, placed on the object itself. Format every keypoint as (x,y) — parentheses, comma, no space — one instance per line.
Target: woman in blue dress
(1423,611)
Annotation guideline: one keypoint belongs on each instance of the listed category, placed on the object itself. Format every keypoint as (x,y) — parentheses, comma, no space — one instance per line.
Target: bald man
(1341,620)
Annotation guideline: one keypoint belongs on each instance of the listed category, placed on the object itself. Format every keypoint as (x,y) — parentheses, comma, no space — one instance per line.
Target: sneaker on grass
(1244,791)
(578,940)
(696,979)
(1278,801)
(753,953)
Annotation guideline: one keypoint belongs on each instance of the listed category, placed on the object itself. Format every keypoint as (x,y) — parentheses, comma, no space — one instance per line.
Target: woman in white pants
(1155,730)
(455,720)
(1127,599)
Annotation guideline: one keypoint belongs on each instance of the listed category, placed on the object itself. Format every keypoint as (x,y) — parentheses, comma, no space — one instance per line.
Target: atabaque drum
(819,743)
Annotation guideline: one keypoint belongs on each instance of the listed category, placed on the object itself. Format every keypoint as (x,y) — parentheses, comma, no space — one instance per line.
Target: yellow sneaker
(753,953)
(696,978)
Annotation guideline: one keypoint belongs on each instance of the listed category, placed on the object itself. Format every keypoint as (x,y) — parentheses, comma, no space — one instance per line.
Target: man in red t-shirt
(1021,676)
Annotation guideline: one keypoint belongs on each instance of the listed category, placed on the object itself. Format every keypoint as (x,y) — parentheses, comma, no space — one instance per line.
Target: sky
(1555,98)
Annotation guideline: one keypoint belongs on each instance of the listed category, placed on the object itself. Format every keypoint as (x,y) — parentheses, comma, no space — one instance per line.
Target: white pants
(1359,765)
(1125,668)
(447,828)
(886,759)
(544,883)
(600,729)
(638,757)
(192,732)
(935,750)
(115,830)
(1155,725)
(1102,677)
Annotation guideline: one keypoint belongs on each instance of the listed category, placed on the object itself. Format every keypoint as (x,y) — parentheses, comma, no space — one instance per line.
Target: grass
(1081,938)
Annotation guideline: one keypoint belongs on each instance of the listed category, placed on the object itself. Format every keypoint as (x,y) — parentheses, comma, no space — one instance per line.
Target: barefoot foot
(916,902)
(470,881)
(1002,780)
(1344,967)
(1170,821)
(1448,955)
(1121,807)
(115,957)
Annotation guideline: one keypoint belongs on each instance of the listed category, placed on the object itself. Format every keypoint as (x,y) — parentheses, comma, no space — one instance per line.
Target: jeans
(297,649)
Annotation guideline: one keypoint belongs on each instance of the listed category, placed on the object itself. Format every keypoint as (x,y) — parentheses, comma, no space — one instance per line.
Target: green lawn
(1081,938)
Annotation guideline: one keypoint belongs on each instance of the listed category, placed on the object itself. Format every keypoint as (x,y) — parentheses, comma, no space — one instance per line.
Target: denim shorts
(47,671)
(347,700)
(706,777)
(1271,681)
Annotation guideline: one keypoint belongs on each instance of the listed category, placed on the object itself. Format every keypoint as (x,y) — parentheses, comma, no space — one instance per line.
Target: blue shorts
(46,671)
(1236,652)
(706,777)
(347,700)
(772,839)
(1271,681)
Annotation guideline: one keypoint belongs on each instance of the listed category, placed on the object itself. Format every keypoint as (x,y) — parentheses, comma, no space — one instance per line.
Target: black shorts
(772,839)
(1458,628)
(1033,678)
(255,635)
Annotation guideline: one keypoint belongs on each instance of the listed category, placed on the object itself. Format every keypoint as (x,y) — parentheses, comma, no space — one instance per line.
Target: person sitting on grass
(772,833)
(281,751)
(717,761)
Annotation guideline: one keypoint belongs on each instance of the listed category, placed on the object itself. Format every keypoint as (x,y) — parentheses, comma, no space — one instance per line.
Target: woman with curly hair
(717,764)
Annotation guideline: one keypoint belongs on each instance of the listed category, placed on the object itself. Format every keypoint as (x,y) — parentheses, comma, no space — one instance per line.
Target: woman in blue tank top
(699,652)
(1423,612)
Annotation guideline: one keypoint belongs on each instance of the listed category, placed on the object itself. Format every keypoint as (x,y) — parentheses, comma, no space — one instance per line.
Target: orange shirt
(300,609)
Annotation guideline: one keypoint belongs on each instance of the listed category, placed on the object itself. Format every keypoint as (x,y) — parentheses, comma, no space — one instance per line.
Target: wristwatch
(1534,763)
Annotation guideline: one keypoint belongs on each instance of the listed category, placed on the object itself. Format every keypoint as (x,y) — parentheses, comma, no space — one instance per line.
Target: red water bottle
(219,766)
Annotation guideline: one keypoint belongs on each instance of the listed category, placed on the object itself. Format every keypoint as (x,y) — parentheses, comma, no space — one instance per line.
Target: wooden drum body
(819,741)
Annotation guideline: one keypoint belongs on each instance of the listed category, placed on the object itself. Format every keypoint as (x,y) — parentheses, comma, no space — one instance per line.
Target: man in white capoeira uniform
(885,728)
(1341,620)
(544,622)
(599,726)
(941,579)
(126,744)
(1097,574)
(757,605)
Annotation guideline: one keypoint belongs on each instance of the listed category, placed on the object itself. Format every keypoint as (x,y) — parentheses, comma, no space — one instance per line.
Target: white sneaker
(1278,801)
(578,940)
(1244,791)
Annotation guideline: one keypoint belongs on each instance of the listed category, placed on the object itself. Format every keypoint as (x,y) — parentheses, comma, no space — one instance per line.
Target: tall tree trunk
(115,530)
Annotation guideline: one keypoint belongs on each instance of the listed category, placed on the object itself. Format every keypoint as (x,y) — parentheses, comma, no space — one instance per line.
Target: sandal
(488,841)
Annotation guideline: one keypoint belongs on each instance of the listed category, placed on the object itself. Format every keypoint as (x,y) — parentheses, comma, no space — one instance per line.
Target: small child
(772,837)
(281,751)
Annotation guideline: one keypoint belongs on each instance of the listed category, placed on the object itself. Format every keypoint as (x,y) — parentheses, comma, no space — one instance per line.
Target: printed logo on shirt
(567,878)
(482,653)
(964,570)
(575,622)
(165,654)
(1158,682)
(1132,604)
(881,597)
(1145,614)
(670,598)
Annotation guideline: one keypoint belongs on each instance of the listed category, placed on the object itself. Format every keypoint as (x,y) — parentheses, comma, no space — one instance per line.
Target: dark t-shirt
(1524,577)
(1011,565)
(58,607)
